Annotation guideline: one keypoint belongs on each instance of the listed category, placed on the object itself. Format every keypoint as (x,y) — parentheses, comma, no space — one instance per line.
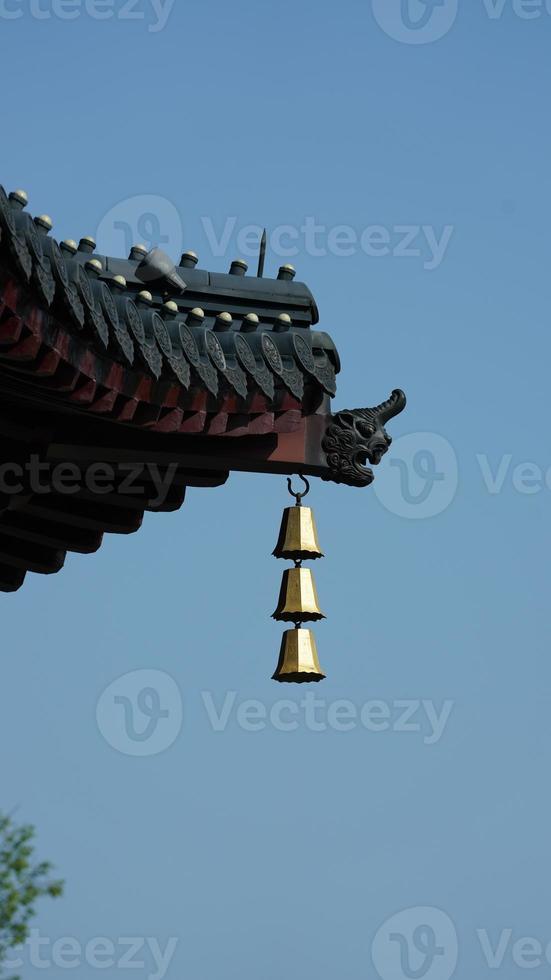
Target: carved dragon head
(357,435)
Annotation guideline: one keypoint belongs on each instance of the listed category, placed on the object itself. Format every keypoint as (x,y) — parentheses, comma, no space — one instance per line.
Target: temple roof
(197,347)
(146,369)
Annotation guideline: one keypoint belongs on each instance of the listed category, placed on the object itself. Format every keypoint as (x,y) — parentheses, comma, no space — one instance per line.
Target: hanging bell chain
(298,600)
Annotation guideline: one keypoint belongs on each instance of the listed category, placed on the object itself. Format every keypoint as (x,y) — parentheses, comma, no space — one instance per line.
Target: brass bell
(298,658)
(298,537)
(298,598)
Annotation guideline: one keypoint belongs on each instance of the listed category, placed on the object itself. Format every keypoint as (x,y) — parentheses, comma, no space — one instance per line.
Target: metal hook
(298,496)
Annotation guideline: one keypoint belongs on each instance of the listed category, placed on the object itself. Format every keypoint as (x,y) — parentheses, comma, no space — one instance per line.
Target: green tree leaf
(22,883)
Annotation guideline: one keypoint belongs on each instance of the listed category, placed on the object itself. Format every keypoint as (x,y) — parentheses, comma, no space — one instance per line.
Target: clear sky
(281,846)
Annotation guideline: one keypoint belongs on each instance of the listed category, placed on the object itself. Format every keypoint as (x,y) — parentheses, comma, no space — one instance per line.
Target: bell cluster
(145,324)
(298,599)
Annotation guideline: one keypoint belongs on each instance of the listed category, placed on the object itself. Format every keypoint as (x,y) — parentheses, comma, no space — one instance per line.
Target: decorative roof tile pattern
(127,332)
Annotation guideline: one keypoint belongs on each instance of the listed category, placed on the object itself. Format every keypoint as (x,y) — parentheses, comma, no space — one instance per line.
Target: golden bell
(298,598)
(298,658)
(298,537)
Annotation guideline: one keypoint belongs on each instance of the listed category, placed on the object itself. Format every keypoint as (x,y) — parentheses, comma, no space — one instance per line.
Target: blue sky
(258,851)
